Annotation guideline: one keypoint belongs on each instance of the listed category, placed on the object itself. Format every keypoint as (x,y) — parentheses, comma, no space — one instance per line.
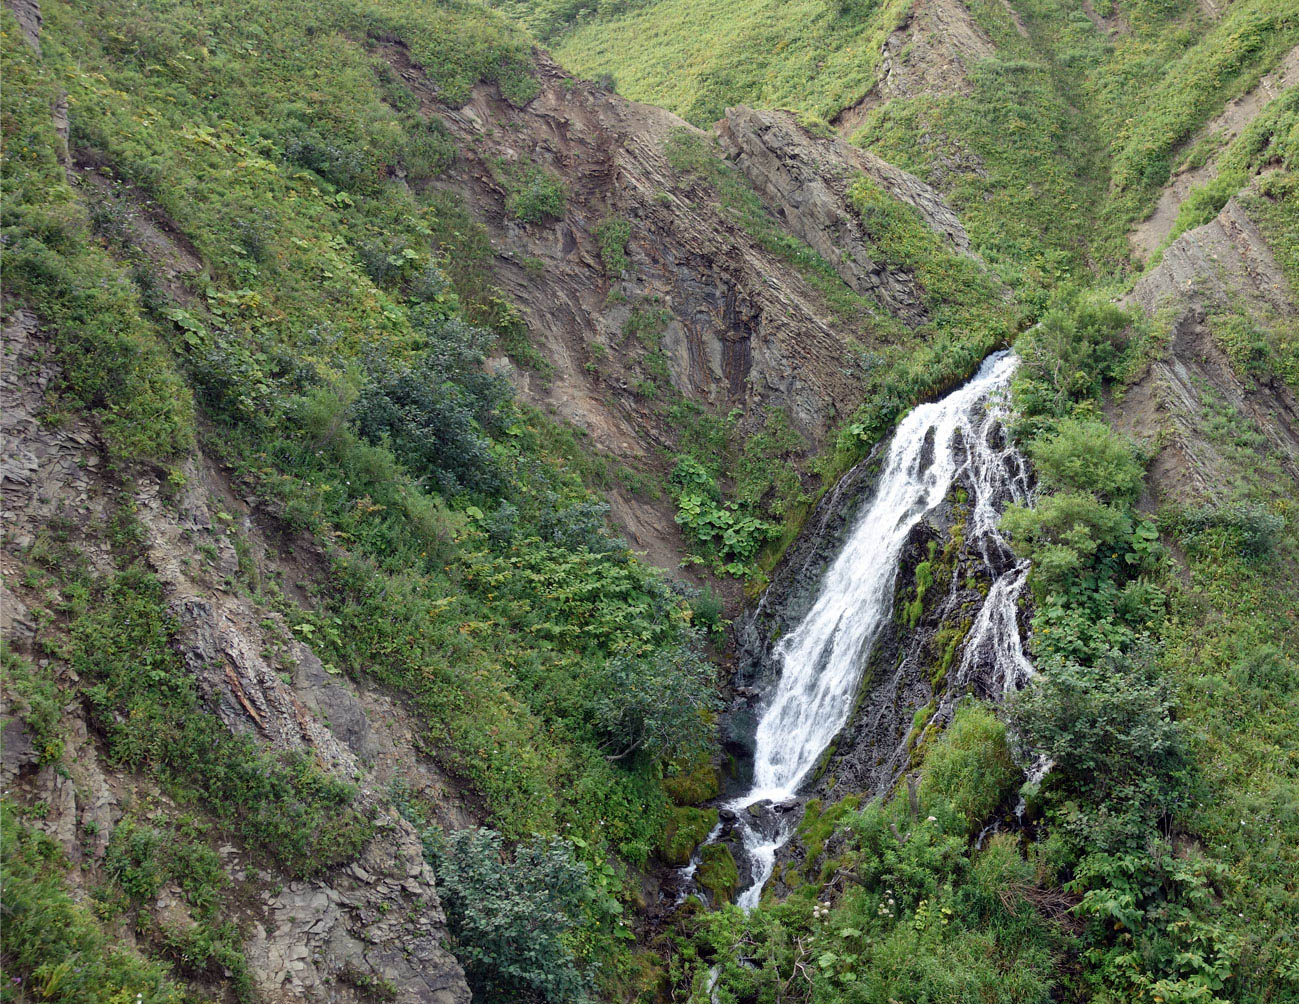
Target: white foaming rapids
(822,659)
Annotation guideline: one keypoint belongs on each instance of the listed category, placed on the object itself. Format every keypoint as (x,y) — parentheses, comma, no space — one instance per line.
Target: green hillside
(1073,126)
(816,56)
(248,273)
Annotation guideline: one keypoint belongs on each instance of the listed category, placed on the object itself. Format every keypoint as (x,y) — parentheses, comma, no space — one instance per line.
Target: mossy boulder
(718,874)
(693,785)
(685,830)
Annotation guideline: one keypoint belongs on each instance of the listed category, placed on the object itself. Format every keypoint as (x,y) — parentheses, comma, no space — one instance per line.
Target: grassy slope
(1075,130)
(814,56)
(266,133)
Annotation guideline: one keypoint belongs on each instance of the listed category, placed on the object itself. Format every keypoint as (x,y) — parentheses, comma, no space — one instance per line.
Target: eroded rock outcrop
(705,309)
(931,51)
(1220,268)
(1225,127)
(805,180)
(377,918)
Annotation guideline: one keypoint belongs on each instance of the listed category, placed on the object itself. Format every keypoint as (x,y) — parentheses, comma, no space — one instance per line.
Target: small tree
(512,920)
(1111,733)
(433,412)
(657,705)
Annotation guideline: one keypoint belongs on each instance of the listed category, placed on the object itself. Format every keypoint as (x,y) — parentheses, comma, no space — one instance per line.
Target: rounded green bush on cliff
(1088,456)
(970,768)
(536,196)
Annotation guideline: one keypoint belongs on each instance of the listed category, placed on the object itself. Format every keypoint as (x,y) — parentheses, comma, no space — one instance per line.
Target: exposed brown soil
(930,52)
(1148,235)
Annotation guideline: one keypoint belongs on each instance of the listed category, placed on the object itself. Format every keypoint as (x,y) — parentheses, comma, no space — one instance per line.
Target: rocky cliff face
(931,51)
(376,920)
(1208,274)
(805,180)
(735,323)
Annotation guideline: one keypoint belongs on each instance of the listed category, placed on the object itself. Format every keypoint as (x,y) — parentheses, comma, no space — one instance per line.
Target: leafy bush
(731,529)
(970,768)
(513,919)
(1067,536)
(656,705)
(1088,456)
(344,166)
(433,411)
(1069,356)
(429,149)
(1112,735)
(535,195)
(613,235)
(575,526)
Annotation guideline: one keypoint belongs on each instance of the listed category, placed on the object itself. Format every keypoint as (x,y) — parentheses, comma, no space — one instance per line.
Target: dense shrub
(535,195)
(1067,536)
(1069,356)
(613,235)
(970,768)
(343,166)
(512,919)
(731,530)
(658,705)
(1111,732)
(1088,456)
(433,412)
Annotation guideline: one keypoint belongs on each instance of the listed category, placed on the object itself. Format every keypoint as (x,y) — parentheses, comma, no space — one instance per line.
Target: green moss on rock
(717,873)
(693,786)
(685,830)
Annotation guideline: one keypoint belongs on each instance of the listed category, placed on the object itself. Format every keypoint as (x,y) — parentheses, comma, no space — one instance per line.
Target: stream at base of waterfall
(821,661)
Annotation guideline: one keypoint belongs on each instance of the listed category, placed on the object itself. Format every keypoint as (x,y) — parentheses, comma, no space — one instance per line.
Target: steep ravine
(732,324)
(901,598)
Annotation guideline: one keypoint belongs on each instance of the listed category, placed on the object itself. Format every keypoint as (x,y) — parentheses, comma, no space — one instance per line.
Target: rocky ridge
(931,51)
(1228,124)
(1221,267)
(805,179)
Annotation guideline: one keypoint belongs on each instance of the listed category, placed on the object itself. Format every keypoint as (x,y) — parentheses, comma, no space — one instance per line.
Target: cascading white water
(821,661)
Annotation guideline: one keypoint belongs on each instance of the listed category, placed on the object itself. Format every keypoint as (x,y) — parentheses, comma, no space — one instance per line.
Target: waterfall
(821,661)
